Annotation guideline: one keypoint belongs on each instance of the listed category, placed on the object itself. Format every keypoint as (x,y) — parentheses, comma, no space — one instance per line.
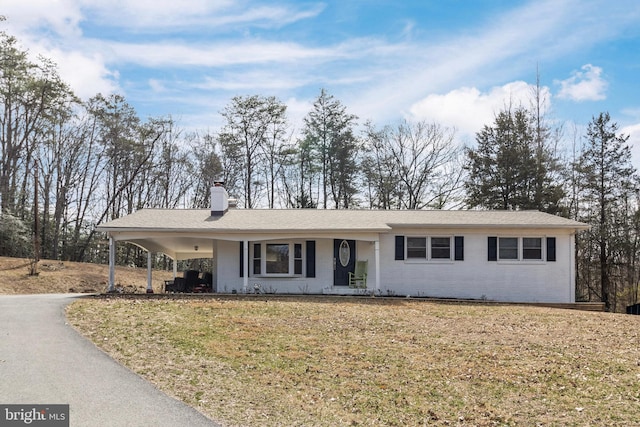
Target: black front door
(344,261)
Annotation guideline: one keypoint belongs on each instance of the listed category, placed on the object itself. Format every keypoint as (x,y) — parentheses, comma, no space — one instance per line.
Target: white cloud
(158,16)
(86,71)
(375,78)
(61,17)
(53,28)
(253,81)
(297,110)
(468,109)
(511,44)
(64,17)
(585,85)
(633,131)
(157,86)
(140,13)
(270,16)
(170,54)
(86,74)
(633,113)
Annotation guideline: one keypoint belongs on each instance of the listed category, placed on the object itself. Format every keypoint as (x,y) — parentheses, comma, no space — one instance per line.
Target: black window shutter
(399,247)
(459,248)
(241,259)
(311,258)
(492,251)
(551,248)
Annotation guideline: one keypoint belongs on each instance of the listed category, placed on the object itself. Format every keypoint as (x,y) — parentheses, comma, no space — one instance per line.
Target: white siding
(475,277)
(229,271)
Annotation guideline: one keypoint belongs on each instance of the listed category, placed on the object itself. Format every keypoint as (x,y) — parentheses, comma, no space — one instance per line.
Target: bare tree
(208,168)
(173,173)
(417,159)
(274,153)
(31,95)
(248,123)
(300,176)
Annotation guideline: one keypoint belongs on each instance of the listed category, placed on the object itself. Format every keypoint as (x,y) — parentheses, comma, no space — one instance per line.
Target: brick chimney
(219,199)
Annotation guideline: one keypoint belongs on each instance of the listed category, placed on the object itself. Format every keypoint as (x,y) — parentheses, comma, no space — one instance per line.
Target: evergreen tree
(329,133)
(607,177)
(512,168)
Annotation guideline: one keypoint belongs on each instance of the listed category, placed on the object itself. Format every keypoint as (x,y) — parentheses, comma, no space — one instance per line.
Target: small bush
(15,238)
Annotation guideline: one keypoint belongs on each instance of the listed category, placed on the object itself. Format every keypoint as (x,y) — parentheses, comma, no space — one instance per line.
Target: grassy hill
(63,277)
(316,361)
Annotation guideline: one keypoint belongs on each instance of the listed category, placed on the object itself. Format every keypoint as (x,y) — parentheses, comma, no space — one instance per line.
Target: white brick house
(515,256)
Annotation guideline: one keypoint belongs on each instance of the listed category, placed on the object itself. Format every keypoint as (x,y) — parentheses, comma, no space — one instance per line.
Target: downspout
(572,264)
(245,267)
(376,250)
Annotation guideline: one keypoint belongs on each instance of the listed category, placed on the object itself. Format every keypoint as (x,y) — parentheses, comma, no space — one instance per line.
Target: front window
(428,248)
(417,247)
(532,248)
(508,248)
(440,248)
(277,258)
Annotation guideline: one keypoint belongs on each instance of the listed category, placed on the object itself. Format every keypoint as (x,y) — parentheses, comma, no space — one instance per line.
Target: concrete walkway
(43,360)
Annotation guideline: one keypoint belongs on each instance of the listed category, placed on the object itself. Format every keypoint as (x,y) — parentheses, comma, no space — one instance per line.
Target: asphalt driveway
(43,360)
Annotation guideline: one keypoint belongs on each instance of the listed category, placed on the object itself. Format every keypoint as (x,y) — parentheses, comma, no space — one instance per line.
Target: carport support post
(149,275)
(112,264)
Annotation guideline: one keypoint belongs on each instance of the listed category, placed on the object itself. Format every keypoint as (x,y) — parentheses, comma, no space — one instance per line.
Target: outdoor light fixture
(196,248)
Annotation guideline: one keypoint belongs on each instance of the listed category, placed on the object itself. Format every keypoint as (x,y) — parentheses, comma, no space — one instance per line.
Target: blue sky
(454,62)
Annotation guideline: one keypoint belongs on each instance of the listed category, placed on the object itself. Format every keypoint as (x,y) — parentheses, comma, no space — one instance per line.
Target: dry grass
(326,362)
(63,277)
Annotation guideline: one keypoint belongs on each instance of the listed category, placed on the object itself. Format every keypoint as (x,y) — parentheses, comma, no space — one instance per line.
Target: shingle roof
(274,220)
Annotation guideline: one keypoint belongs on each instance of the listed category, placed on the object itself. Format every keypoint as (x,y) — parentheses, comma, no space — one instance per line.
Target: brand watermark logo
(34,415)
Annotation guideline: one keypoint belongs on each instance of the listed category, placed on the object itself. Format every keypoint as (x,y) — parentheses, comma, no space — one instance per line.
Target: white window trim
(263,258)
(429,256)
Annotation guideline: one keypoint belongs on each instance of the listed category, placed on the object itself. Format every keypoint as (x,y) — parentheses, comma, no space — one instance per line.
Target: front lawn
(277,361)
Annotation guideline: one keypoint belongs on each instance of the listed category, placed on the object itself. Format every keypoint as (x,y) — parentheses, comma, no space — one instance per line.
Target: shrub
(15,239)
